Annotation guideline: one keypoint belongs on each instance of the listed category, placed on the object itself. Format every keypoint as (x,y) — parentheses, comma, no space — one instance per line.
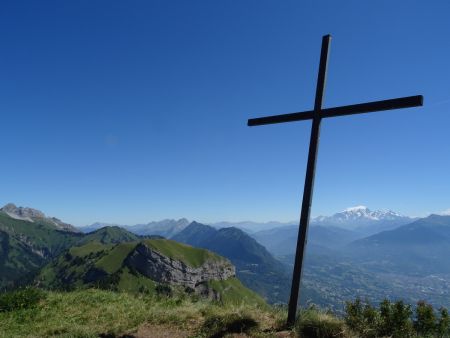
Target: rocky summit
(33,215)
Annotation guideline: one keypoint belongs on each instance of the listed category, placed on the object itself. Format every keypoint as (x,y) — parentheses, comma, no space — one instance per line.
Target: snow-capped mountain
(362,219)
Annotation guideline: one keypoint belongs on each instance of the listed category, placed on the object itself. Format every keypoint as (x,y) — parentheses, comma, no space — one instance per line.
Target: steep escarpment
(163,269)
(148,266)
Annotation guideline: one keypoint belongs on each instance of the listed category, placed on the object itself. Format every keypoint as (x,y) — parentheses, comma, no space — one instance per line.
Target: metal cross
(316,116)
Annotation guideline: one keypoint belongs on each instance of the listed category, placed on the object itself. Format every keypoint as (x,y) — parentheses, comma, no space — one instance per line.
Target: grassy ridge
(193,257)
(71,268)
(104,266)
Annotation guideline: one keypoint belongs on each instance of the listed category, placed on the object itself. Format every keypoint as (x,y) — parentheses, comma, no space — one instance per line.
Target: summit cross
(316,116)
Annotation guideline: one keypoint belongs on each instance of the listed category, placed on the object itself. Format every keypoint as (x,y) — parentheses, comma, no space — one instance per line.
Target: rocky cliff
(163,269)
(142,265)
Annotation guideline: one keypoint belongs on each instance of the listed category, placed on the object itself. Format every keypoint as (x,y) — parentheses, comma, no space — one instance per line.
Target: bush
(392,319)
(425,323)
(395,319)
(443,325)
(20,299)
(362,318)
(164,290)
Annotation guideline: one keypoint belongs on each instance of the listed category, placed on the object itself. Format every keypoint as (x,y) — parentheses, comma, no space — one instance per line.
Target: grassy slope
(89,313)
(26,246)
(233,291)
(189,255)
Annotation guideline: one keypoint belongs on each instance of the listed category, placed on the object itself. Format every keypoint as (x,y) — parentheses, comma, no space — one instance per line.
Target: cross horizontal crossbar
(403,102)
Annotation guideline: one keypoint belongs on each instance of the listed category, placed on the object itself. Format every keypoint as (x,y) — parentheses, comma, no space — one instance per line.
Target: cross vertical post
(316,116)
(309,181)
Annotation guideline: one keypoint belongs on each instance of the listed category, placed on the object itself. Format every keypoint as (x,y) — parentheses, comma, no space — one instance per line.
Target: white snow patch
(357,208)
(445,212)
(10,214)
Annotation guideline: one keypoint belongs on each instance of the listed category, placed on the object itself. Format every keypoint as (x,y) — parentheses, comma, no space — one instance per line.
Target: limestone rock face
(22,212)
(31,215)
(163,269)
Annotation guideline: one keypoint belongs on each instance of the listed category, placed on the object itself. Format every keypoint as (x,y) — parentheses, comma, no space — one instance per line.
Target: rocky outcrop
(163,269)
(32,215)
(26,214)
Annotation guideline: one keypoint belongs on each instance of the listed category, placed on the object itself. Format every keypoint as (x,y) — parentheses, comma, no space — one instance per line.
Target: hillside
(109,235)
(283,240)
(26,246)
(255,266)
(419,248)
(142,266)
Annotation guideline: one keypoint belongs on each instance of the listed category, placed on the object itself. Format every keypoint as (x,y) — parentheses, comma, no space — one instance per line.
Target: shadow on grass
(219,326)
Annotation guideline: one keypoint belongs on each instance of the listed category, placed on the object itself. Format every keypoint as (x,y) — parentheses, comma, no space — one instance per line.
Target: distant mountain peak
(361,217)
(362,212)
(22,213)
(356,208)
(445,212)
(32,215)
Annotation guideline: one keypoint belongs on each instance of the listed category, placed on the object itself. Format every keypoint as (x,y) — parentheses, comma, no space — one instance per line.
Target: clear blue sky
(131,111)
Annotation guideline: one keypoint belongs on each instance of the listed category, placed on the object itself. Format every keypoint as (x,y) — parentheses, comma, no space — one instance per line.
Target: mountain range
(166,228)
(359,219)
(407,260)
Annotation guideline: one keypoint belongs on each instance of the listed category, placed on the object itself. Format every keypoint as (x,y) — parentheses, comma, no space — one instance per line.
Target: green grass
(233,292)
(90,313)
(87,249)
(135,283)
(114,259)
(317,323)
(193,257)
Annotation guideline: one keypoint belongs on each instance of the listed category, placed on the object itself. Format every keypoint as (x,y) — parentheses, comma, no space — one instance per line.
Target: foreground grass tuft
(316,323)
(219,326)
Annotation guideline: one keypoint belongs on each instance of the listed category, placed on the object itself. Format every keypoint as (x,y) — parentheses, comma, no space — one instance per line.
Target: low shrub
(164,290)
(20,299)
(314,323)
(396,320)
